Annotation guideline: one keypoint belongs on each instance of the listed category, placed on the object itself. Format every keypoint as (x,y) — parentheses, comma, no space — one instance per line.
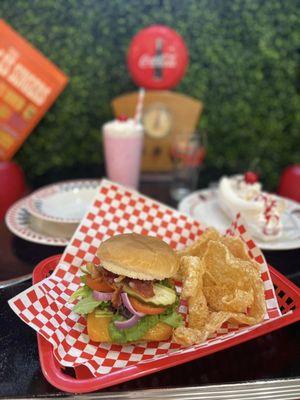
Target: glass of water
(187,152)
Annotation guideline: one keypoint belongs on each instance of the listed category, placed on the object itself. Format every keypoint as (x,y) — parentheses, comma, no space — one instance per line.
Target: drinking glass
(187,152)
(123,142)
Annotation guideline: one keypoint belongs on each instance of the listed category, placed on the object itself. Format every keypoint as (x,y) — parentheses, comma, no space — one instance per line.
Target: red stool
(289,185)
(12,185)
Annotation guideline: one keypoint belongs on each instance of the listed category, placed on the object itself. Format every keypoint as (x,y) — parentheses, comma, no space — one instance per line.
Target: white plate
(17,220)
(203,206)
(64,202)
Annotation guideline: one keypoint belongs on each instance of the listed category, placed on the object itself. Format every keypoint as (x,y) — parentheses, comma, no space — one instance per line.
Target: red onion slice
(102,296)
(129,307)
(128,323)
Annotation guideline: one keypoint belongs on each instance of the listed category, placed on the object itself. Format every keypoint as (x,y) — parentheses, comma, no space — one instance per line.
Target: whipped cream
(243,189)
(126,128)
(261,211)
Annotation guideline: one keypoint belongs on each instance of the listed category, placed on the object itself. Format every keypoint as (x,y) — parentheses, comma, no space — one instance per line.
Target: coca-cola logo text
(167,60)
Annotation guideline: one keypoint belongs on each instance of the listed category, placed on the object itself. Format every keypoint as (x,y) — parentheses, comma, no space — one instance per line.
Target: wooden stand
(165,115)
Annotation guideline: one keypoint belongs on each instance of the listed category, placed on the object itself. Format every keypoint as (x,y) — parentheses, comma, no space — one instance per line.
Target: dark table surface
(273,356)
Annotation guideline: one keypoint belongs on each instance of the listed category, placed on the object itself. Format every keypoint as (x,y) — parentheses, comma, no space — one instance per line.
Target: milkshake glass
(123,142)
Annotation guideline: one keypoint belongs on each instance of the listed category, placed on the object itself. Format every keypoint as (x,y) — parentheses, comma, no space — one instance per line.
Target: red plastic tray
(288,296)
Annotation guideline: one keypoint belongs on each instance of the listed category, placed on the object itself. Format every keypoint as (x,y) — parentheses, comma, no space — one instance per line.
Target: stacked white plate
(51,214)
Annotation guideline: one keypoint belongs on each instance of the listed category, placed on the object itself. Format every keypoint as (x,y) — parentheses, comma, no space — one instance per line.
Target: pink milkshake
(123,142)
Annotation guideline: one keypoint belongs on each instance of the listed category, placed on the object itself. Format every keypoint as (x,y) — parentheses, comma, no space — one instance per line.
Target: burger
(130,295)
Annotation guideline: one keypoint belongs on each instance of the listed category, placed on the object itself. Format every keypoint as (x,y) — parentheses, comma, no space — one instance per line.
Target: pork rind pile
(221,283)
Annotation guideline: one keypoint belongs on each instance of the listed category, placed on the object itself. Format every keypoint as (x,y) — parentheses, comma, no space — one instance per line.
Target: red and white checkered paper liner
(115,210)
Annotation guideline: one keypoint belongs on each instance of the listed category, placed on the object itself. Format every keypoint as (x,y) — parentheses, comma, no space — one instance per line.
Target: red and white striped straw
(139,106)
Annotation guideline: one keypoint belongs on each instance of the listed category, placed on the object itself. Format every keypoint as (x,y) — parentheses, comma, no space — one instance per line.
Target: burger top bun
(138,257)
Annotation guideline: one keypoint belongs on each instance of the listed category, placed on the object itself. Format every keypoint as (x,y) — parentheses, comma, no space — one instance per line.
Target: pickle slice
(163,296)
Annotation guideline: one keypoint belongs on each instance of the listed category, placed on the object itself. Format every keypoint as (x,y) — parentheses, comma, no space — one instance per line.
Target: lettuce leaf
(141,328)
(103,312)
(134,333)
(173,319)
(88,305)
(166,282)
(83,292)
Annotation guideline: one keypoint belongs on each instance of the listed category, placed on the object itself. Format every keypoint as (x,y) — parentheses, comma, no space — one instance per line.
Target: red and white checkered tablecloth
(116,210)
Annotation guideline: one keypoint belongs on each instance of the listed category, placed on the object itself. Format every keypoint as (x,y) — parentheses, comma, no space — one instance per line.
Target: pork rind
(234,244)
(199,247)
(187,336)
(192,272)
(220,283)
(232,284)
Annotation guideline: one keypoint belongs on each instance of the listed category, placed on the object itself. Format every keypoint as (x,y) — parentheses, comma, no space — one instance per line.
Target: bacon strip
(108,276)
(112,279)
(145,288)
(116,297)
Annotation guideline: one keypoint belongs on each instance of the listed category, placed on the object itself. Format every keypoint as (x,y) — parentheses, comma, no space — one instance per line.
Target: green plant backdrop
(244,65)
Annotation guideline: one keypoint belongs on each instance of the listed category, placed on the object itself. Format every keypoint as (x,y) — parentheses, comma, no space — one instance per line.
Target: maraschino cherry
(122,117)
(251,177)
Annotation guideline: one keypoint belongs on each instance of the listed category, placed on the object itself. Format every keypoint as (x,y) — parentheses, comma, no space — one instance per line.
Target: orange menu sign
(29,84)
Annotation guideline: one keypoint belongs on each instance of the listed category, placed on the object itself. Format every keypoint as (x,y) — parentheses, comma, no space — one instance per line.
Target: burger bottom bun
(97,328)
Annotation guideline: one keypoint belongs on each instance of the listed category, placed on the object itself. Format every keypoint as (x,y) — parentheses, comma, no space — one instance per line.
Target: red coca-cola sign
(157,58)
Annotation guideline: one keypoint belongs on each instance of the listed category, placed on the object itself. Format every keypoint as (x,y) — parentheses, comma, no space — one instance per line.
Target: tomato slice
(98,284)
(145,308)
